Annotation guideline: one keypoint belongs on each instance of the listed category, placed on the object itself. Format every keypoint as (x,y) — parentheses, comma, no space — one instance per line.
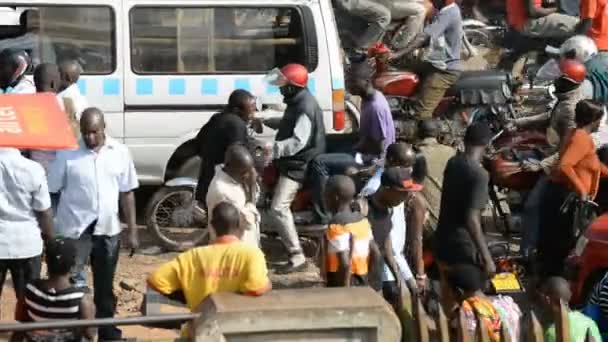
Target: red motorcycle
(473,90)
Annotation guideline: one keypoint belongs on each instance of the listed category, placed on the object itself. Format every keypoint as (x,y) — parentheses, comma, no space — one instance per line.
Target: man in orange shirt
(594,22)
(530,18)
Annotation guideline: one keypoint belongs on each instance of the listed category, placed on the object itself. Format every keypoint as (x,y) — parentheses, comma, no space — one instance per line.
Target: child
(56,298)
(350,252)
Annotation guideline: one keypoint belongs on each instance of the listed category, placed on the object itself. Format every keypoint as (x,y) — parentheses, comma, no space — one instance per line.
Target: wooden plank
(562,323)
(463,334)
(534,331)
(405,313)
(443,326)
(505,336)
(420,320)
(482,330)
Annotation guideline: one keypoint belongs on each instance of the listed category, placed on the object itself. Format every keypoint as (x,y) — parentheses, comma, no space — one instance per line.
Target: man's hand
(421,283)
(490,268)
(133,239)
(584,197)
(258,125)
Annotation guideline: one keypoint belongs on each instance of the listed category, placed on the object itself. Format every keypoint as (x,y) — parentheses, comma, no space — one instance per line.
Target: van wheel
(172,220)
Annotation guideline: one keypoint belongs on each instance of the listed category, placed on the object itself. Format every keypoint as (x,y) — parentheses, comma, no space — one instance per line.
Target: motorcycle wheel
(171,220)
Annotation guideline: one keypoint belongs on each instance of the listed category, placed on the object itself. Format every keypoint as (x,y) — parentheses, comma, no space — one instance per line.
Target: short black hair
(342,186)
(225,219)
(478,134)
(44,74)
(428,129)
(61,256)
(587,112)
(466,277)
(238,99)
(361,70)
(401,154)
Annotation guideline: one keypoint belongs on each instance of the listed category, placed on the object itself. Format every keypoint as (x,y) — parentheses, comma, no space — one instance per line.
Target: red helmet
(572,70)
(294,74)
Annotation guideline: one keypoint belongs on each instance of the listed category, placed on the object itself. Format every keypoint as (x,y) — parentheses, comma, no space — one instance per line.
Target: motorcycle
(176,222)
(474,90)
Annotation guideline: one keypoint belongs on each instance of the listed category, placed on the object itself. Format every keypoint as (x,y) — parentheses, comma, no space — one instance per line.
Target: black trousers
(556,230)
(22,272)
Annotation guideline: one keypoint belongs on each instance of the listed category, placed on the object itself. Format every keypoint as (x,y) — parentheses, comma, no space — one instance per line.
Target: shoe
(290,268)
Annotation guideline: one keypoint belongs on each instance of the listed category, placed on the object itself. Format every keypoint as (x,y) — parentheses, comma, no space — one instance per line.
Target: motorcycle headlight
(580,246)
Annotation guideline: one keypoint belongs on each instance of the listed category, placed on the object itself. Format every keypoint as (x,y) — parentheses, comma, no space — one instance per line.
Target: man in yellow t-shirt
(227,265)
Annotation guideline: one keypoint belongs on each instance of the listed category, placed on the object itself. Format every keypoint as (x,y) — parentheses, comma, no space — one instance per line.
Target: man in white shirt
(90,182)
(25,218)
(235,183)
(13,66)
(70,73)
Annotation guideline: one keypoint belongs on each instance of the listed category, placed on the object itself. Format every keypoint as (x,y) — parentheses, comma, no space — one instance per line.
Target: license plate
(506,282)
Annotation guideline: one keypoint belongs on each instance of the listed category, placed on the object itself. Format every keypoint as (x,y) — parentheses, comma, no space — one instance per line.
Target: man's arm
(57,175)
(532,120)
(421,40)
(127,184)
(538,12)
(478,201)
(391,262)
(45,222)
(41,204)
(167,278)
(127,200)
(294,144)
(87,311)
(415,230)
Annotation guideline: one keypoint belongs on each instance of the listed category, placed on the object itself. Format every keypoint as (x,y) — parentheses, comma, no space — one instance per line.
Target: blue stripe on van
(144,86)
(111,87)
(312,85)
(209,87)
(177,87)
(242,83)
(82,86)
(272,89)
(337,83)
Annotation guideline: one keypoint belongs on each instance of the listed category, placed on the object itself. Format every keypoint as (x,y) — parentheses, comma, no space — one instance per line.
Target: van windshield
(214,40)
(51,34)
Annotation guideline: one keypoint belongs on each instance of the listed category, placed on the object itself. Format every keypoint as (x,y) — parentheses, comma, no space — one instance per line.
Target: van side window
(215,40)
(52,34)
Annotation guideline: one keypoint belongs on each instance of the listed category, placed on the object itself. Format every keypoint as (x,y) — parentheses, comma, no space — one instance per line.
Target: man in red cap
(300,138)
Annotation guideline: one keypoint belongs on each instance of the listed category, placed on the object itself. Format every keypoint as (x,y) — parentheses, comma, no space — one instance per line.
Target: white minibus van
(160,69)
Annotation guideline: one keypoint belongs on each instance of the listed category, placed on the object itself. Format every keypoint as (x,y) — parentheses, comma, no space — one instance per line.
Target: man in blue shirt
(441,67)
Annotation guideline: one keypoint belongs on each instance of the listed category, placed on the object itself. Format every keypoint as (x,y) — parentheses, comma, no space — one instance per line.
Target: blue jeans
(319,171)
(103,253)
(530,216)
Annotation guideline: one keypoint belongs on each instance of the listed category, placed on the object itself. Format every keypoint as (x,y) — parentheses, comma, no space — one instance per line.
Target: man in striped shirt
(56,298)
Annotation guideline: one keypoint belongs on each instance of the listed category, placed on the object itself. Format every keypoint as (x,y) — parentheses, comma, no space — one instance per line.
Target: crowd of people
(416,200)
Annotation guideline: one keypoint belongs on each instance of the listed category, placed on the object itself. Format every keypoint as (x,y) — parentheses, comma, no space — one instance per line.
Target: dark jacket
(304,103)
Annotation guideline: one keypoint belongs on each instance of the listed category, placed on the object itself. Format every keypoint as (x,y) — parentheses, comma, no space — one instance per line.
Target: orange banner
(34,121)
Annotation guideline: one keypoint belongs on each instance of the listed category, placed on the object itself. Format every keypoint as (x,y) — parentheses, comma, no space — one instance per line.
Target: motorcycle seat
(482,87)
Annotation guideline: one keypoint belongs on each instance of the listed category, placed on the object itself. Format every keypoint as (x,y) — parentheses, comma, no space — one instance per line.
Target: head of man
(46,78)
(60,257)
(553,290)
(13,65)
(428,129)
(477,138)
(30,20)
(359,79)
(225,220)
(465,280)
(242,103)
(400,154)
(239,164)
(589,115)
(339,192)
(92,128)
(291,79)
(70,73)
(395,186)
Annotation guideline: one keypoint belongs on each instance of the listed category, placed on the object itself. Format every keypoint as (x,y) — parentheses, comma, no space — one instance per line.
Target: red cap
(572,70)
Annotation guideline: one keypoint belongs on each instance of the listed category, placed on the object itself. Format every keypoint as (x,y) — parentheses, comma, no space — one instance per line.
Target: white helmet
(581,48)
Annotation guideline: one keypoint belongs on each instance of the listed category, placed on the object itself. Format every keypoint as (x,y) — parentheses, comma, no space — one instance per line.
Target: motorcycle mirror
(258,104)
